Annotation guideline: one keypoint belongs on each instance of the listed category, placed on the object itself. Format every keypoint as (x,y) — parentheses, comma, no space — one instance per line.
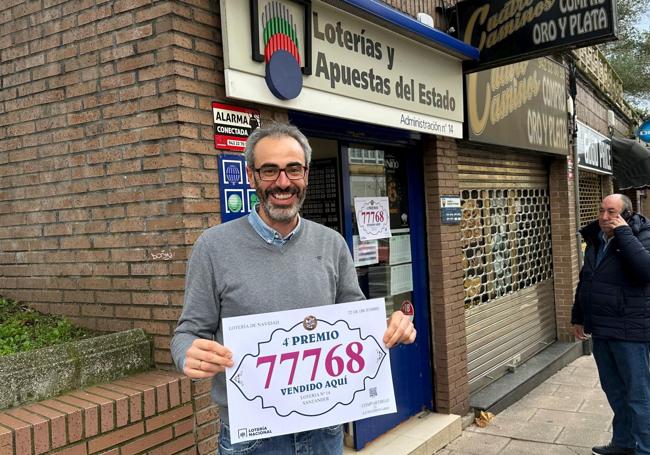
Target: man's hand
(579,332)
(206,358)
(400,330)
(617,222)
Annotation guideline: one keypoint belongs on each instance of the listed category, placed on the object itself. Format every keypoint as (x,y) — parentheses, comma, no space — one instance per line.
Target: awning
(631,164)
(404,24)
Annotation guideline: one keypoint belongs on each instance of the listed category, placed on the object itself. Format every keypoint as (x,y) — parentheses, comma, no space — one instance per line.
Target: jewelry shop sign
(308,368)
(521,105)
(507,31)
(594,150)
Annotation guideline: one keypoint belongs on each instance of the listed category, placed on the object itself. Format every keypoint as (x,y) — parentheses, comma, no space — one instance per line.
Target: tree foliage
(630,55)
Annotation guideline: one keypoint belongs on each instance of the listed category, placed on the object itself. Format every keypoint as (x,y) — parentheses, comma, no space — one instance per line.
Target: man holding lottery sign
(272,260)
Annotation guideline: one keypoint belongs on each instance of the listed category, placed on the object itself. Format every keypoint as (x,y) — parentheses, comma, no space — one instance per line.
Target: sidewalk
(565,415)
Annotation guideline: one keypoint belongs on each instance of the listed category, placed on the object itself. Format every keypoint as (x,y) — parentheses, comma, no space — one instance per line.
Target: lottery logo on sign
(252,199)
(232,172)
(310,323)
(282,44)
(234,201)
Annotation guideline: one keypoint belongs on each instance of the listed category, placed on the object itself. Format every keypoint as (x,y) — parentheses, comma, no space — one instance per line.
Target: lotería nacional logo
(310,322)
(281,34)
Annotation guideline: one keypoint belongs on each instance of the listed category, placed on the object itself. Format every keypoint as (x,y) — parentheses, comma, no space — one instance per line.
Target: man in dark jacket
(613,305)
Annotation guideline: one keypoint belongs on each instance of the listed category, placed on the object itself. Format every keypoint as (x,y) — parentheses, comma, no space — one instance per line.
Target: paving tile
(552,402)
(600,407)
(581,450)
(451,452)
(566,415)
(545,388)
(574,394)
(477,443)
(530,431)
(585,361)
(538,448)
(567,369)
(572,420)
(587,379)
(589,393)
(517,412)
(583,437)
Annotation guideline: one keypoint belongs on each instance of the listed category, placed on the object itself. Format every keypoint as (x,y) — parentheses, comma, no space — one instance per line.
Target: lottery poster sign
(373,219)
(233,125)
(237,197)
(309,368)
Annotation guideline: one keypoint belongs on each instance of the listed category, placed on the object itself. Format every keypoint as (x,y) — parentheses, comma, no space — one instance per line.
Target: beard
(281,214)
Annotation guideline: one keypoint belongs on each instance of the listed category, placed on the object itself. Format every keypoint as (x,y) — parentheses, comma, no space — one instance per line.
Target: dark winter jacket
(613,299)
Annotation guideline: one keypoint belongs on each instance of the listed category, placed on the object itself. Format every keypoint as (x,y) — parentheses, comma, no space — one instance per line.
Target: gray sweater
(234,272)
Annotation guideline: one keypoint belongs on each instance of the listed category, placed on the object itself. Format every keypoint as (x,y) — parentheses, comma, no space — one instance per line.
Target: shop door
(393,268)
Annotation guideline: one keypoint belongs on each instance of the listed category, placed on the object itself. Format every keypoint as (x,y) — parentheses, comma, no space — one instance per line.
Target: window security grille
(590,190)
(506,242)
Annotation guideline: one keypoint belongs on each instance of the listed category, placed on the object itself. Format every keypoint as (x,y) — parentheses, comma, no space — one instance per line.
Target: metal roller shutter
(590,191)
(507,261)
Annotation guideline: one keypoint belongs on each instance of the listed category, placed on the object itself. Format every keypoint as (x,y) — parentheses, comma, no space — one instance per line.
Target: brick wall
(445,280)
(149,412)
(644,202)
(590,110)
(412,7)
(206,418)
(107,168)
(563,238)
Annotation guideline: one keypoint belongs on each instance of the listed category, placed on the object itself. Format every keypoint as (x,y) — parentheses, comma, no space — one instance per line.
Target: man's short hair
(277,130)
(627,203)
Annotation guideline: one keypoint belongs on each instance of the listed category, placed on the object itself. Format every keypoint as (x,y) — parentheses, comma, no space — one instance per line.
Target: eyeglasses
(271,173)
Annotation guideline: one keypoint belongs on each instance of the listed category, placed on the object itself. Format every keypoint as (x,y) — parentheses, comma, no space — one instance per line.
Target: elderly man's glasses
(271,173)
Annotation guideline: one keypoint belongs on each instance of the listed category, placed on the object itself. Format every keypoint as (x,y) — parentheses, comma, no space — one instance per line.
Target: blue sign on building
(237,197)
(644,132)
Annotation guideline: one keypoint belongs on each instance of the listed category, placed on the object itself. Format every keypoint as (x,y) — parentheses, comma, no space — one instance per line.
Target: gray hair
(277,130)
(627,203)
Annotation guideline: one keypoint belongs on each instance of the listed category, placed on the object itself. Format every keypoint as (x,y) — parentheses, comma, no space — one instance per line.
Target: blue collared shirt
(270,236)
(604,243)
